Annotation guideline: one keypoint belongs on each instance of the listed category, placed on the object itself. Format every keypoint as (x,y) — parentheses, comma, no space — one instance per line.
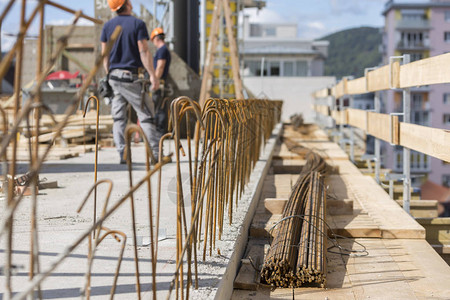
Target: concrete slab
(59,225)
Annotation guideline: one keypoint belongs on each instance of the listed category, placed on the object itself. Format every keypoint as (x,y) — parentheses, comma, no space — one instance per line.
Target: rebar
(297,252)
(228,137)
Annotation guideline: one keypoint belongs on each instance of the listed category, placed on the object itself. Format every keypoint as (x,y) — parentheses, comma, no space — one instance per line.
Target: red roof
(433,191)
(62,75)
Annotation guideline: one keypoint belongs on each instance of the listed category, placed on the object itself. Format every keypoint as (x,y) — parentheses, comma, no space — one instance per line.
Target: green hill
(352,50)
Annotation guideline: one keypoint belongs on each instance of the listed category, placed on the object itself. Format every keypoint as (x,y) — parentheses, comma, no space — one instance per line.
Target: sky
(315,18)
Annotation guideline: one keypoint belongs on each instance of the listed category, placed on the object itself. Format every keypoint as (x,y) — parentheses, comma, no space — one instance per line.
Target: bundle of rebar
(297,252)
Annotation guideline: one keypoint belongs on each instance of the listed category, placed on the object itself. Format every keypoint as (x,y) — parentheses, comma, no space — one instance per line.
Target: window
(447,36)
(270,31)
(413,14)
(447,16)
(446,180)
(302,68)
(417,101)
(415,56)
(274,68)
(412,39)
(447,98)
(252,68)
(288,68)
(446,119)
(255,30)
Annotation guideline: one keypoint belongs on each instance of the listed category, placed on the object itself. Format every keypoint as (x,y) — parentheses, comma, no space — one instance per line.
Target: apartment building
(420,29)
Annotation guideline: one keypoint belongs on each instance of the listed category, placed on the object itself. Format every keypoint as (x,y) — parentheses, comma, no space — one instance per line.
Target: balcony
(406,45)
(420,24)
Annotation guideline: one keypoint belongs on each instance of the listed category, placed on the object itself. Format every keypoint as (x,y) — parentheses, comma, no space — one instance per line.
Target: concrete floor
(59,225)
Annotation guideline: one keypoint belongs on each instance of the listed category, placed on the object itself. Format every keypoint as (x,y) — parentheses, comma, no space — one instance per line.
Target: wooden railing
(431,141)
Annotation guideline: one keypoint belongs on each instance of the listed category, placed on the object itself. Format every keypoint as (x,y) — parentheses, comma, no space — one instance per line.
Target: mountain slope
(352,50)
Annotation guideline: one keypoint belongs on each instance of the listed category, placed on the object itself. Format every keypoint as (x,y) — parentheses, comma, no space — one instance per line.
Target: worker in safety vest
(129,54)
(161,61)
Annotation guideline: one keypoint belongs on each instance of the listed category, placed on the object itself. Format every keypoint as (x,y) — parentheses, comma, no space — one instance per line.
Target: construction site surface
(393,258)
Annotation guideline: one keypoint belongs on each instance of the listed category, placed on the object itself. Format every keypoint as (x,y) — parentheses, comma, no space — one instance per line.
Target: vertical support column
(377,150)
(352,134)
(202,33)
(180,28)
(406,151)
(341,110)
(193,43)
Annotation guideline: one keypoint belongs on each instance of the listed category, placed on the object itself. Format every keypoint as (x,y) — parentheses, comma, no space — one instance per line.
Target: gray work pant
(130,92)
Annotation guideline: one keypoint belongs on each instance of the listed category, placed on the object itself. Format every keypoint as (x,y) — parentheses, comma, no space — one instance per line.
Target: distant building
(279,65)
(276,49)
(420,29)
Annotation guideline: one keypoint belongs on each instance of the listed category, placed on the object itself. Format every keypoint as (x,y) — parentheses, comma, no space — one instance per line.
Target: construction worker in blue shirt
(161,61)
(129,54)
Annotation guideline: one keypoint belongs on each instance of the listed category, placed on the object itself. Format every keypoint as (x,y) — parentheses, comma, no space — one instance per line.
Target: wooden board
(340,89)
(378,126)
(393,221)
(357,118)
(322,109)
(393,269)
(378,80)
(431,141)
(323,93)
(425,71)
(356,86)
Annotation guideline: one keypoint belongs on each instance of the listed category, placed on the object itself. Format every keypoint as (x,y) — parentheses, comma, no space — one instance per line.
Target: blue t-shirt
(162,53)
(125,52)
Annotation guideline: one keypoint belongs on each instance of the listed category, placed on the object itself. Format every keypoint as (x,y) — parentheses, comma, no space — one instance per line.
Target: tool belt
(123,75)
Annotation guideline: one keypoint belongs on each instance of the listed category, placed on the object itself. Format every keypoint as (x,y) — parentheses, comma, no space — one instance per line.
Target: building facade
(278,65)
(275,50)
(420,29)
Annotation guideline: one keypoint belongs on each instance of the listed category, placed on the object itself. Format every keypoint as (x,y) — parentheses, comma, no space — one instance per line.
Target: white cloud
(355,7)
(263,16)
(316,25)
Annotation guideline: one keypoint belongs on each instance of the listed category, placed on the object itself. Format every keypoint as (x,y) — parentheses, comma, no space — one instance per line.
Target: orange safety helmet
(155,32)
(116,4)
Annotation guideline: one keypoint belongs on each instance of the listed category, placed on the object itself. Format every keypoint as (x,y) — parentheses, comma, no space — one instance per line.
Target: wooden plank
(245,279)
(378,126)
(323,93)
(339,207)
(357,118)
(377,275)
(340,89)
(437,229)
(393,221)
(359,225)
(339,116)
(431,141)
(322,109)
(233,50)
(275,205)
(426,273)
(356,86)
(210,54)
(261,225)
(378,79)
(425,71)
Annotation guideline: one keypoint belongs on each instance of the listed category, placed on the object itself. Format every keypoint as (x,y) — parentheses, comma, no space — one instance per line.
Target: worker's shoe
(122,160)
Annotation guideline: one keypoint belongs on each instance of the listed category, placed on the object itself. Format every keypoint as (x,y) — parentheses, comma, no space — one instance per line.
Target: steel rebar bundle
(297,252)
(232,133)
